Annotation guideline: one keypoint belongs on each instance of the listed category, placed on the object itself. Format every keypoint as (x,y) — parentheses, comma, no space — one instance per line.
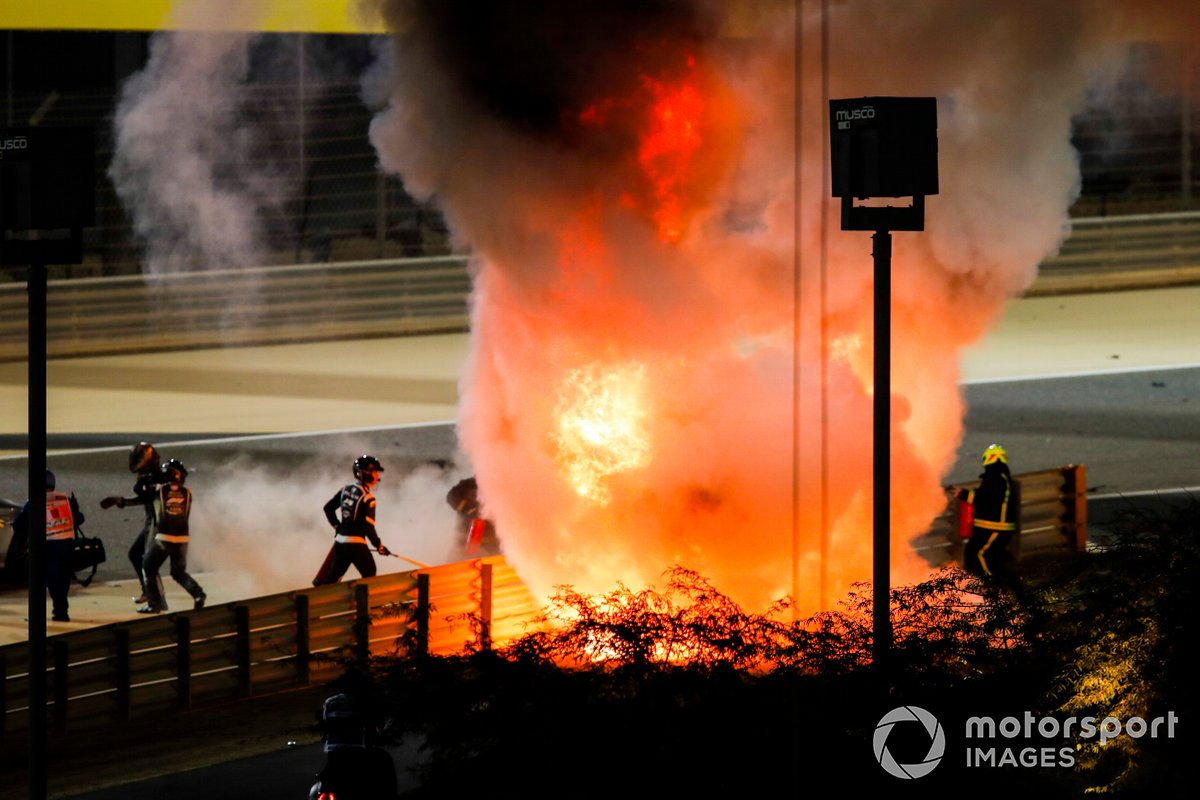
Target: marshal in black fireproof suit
(356,526)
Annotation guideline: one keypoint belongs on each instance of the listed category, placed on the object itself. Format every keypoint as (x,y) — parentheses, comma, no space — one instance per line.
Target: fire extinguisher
(475,536)
(966,518)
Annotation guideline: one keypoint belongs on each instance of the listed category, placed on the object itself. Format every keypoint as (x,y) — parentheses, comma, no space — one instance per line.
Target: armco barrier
(268,305)
(1052,518)
(312,302)
(191,659)
(1139,251)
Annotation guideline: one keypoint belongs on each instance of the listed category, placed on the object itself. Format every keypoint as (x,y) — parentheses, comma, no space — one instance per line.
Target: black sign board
(47,178)
(883,147)
(47,194)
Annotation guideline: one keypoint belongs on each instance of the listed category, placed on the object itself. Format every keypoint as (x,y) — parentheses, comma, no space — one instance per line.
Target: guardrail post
(3,692)
(362,620)
(485,607)
(423,613)
(241,616)
(60,686)
(123,673)
(1077,484)
(303,651)
(183,663)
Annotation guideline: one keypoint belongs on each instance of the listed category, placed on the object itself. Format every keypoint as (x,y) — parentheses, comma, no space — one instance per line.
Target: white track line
(336,431)
(233,439)
(1193,490)
(1081,374)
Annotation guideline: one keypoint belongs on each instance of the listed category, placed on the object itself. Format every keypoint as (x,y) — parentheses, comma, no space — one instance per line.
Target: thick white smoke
(197,159)
(264,529)
(531,126)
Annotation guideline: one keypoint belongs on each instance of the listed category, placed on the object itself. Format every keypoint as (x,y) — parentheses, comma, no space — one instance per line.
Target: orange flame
(600,427)
(669,115)
(667,150)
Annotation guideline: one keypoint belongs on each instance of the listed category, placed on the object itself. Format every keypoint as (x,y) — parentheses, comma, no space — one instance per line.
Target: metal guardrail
(268,305)
(1051,519)
(193,659)
(313,302)
(1132,252)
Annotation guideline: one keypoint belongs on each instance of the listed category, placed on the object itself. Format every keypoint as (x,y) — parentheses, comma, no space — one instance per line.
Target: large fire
(600,430)
(670,359)
(666,149)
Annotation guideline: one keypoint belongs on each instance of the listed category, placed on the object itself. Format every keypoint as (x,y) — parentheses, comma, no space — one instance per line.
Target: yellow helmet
(994,453)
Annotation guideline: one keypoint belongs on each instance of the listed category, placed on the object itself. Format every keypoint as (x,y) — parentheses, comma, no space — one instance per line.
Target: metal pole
(797,297)
(37,531)
(1185,132)
(9,78)
(301,144)
(881,578)
(380,212)
(823,589)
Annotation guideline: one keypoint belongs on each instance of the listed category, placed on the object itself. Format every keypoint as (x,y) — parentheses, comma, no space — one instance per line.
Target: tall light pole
(883,147)
(47,196)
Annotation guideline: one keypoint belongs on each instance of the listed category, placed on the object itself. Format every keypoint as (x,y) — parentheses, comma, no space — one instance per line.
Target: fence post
(123,678)
(183,663)
(485,607)
(3,692)
(380,212)
(303,651)
(362,620)
(1079,516)
(242,622)
(423,613)
(60,686)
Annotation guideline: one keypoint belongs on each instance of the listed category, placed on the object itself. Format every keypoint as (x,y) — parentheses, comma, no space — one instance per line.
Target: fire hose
(402,558)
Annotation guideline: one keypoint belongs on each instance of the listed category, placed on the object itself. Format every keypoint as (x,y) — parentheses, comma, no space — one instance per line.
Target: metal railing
(193,659)
(1051,518)
(313,302)
(1133,252)
(267,305)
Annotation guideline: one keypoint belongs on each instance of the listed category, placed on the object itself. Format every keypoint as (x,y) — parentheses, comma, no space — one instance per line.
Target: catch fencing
(194,659)
(1051,518)
(1139,251)
(315,302)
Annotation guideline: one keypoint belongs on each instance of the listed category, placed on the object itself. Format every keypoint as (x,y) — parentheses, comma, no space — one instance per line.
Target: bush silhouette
(681,691)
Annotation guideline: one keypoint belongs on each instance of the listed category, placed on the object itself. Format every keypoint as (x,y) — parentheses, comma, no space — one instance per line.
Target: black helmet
(364,464)
(174,471)
(50,480)
(143,456)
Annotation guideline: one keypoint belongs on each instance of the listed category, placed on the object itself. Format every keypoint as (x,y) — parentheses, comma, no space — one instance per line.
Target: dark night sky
(35,62)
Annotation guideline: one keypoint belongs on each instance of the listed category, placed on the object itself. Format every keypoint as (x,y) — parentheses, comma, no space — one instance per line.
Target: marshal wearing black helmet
(143,457)
(367,469)
(144,463)
(351,512)
(174,472)
(172,510)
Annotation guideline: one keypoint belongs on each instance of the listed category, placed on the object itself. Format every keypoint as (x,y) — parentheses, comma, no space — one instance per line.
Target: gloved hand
(383,551)
(109,502)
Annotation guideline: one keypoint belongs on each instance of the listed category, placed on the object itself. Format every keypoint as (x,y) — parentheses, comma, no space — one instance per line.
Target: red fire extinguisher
(966,518)
(475,536)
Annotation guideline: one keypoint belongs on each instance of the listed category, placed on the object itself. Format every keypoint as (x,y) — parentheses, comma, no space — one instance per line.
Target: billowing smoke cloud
(201,157)
(264,530)
(624,174)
